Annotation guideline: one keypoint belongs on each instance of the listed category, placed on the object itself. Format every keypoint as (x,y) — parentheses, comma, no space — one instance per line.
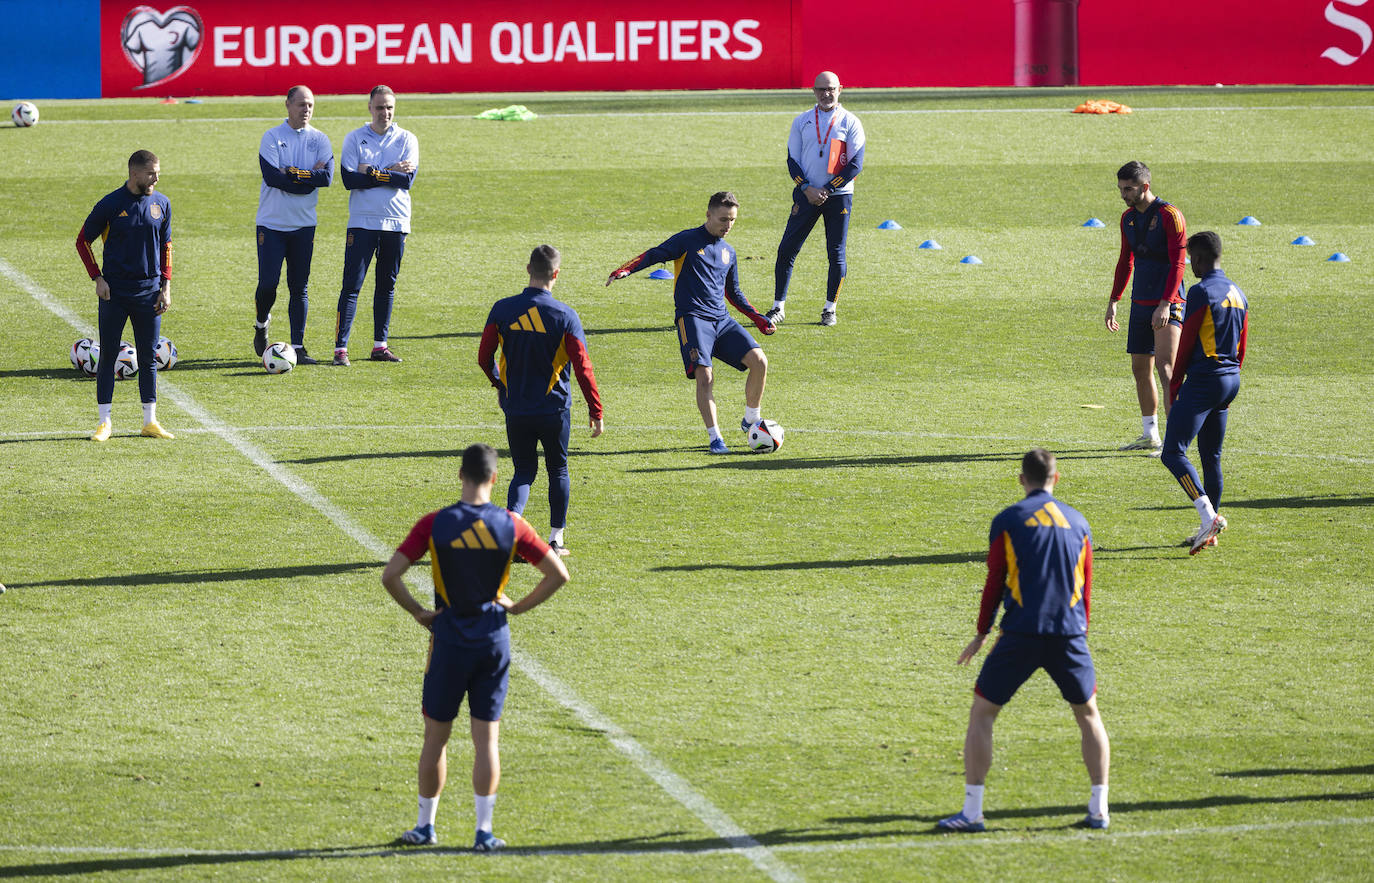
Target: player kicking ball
(707,274)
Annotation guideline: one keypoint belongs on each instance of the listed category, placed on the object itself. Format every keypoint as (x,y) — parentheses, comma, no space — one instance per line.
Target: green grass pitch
(752,673)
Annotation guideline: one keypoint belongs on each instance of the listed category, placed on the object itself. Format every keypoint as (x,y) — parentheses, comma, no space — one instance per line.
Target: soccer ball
(765,437)
(126,363)
(85,355)
(279,358)
(165,354)
(25,114)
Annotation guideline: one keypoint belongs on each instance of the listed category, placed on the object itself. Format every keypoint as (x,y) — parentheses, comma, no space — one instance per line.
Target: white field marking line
(953,841)
(678,788)
(878,433)
(915,111)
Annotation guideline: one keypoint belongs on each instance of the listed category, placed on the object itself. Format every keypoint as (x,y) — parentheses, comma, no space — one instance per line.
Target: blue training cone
(1339,257)
(1248,221)
(1093,222)
(930,243)
(1303,240)
(889,225)
(660,274)
(969,259)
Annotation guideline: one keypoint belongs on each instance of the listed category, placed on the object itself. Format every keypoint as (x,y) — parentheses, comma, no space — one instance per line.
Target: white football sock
(379,344)
(1205,510)
(713,433)
(973,802)
(104,412)
(1150,426)
(429,808)
(485,803)
(1097,803)
(149,413)
(751,415)
(829,307)
(556,535)
(263,323)
(780,305)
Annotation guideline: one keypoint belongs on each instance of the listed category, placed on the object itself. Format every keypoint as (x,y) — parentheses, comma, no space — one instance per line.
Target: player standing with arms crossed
(825,153)
(134,285)
(296,160)
(379,162)
(1152,234)
(1040,566)
(471,545)
(706,272)
(540,340)
(1206,378)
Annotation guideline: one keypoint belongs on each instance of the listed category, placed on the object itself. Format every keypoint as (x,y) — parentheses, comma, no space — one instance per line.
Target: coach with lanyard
(825,152)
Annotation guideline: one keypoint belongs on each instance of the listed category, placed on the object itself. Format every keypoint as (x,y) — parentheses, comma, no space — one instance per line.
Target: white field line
(989,840)
(678,788)
(877,433)
(912,111)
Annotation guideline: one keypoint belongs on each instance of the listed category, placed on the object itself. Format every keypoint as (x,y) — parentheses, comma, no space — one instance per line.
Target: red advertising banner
(227,47)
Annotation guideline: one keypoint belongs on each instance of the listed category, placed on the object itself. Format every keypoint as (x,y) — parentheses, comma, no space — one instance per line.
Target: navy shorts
(1016,656)
(1140,337)
(481,673)
(702,339)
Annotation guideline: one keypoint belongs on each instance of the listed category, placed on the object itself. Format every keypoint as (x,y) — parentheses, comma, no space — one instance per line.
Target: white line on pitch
(678,788)
(992,839)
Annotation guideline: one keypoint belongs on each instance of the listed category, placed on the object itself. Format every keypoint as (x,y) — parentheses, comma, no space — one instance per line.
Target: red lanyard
(820,144)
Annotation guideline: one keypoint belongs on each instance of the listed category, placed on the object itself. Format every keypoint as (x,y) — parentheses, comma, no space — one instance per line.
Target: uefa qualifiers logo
(161,45)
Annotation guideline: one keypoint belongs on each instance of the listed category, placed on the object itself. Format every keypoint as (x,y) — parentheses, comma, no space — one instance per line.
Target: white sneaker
(1144,443)
(775,315)
(828,317)
(1208,533)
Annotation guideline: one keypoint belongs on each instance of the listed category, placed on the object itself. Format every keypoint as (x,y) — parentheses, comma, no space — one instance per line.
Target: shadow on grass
(442,335)
(890,561)
(76,436)
(457,454)
(1365,770)
(1327,501)
(45,373)
(206,576)
(754,461)
(1124,807)
(212,365)
(648,329)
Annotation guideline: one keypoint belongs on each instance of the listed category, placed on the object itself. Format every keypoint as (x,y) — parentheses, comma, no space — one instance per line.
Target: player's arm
(410,551)
(993,587)
(581,363)
(392,177)
(275,173)
(735,295)
(855,163)
(1124,261)
(656,255)
(1198,308)
(96,223)
(554,575)
(1240,347)
(164,296)
(486,352)
(1176,234)
(1087,579)
(348,167)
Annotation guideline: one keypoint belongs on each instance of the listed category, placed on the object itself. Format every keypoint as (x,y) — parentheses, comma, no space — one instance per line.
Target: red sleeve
(83,248)
(1176,231)
(1124,261)
(630,266)
(1244,332)
(1087,579)
(1185,351)
(996,582)
(167,260)
(586,378)
(486,350)
(416,543)
(527,542)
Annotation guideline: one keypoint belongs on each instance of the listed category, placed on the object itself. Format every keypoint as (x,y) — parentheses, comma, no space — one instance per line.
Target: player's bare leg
(1166,348)
(757,363)
(433,771)
(1097,757)
(1143,370)
(486,776)
(977,762)
(706,395)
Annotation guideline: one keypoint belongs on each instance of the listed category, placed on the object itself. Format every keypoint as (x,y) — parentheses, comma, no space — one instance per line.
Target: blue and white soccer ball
(279,358)
(25,114)
(126,363)
(165,354)
(85,355)
(765,437)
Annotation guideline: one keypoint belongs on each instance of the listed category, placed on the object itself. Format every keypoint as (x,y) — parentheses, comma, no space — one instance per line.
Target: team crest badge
(1154,222)
(155,211)
(161,45)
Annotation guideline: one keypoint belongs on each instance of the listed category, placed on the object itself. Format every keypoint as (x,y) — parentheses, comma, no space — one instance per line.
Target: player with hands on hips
(707,274)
